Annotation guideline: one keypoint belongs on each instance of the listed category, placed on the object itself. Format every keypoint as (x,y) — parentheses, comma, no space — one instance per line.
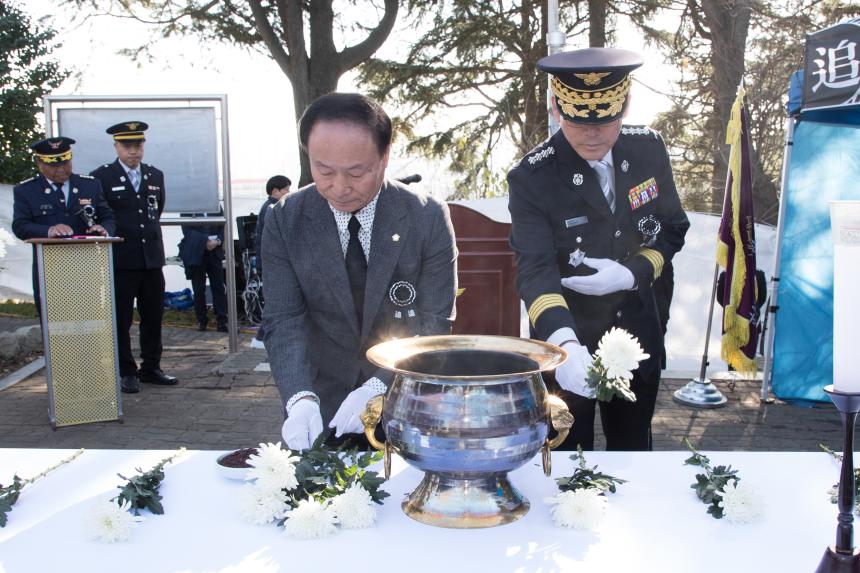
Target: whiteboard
(180,141)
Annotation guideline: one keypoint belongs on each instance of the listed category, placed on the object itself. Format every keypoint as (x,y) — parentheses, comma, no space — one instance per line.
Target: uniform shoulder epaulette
(639,131)
(28,180)
(539,155)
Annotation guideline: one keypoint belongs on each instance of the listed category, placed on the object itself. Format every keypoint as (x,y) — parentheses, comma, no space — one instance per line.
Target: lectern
(79,329)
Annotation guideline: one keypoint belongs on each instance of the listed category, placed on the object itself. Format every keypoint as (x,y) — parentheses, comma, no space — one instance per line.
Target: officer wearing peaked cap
(135,191)
(58,203)
(595,219)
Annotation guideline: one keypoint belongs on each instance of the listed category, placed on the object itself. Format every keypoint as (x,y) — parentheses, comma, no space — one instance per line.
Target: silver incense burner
(466,410)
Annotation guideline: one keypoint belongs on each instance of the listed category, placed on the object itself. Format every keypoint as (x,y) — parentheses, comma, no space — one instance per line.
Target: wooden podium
(79,329)
(487,271)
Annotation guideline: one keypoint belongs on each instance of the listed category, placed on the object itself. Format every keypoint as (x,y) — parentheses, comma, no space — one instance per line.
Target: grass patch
(18,309)
(172,317)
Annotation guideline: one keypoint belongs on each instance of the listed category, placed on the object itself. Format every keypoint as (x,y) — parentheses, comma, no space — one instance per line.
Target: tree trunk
(316,73)
(596,23)
(535,120)
(728,22)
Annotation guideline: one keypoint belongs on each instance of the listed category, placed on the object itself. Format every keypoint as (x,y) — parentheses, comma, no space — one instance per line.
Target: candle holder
(844,557)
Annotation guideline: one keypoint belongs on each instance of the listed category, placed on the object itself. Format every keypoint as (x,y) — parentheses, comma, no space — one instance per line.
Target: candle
(845,223)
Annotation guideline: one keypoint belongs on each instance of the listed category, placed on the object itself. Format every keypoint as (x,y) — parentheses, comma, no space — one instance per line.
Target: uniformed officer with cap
(135,191)
(595,218)
(58,203)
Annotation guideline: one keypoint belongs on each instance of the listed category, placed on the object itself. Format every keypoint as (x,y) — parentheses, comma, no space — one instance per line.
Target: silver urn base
(445,501)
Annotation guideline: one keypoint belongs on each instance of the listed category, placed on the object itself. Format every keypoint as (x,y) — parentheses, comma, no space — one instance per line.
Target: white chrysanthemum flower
(620,353)
(579,509)
(354,509)
(273,467)
(309,520)
(741,503)
(110,522)
(259,504)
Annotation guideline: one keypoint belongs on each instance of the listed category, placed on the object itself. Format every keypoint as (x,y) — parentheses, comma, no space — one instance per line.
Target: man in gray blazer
(351,260)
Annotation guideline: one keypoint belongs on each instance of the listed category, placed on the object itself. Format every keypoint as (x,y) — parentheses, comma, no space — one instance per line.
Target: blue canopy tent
(821,164)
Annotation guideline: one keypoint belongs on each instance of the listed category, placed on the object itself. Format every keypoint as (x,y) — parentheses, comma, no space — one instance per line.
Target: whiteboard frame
(219,103)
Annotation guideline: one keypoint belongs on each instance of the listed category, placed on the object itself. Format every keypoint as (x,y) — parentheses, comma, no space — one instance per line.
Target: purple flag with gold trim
(736,249)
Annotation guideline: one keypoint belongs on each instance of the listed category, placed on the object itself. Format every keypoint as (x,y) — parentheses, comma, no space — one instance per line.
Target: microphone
(88,214)
(410,179)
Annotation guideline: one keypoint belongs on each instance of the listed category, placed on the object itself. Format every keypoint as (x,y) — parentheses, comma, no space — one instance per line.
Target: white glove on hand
(610,277)
(347,420)
(303,425)
(571,374)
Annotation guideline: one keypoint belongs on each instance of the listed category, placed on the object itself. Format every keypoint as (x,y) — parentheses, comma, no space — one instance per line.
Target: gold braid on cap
(55,158)
(588,100)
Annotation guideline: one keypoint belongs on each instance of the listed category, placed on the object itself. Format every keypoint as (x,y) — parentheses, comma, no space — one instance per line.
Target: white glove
(347,420)
(610,277)
(571,374)
(303,425)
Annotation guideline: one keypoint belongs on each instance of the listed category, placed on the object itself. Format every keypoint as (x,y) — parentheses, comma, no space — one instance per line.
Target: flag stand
(700,392)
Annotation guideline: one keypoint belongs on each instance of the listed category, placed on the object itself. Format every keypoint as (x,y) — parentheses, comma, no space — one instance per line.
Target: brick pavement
(221,404)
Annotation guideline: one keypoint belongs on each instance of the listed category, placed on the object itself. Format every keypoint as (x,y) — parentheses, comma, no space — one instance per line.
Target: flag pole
(700,392)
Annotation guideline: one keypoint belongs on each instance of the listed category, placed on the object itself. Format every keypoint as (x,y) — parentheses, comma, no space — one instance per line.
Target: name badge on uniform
(153,187)
(152,207)
(576,222)
(643,193)
(45,207)
(119,188)
(402,294)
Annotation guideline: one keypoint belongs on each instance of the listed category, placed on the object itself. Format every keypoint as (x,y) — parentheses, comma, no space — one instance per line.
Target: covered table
(653,524)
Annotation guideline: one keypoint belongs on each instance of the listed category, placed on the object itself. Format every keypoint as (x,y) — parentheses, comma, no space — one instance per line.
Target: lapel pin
(74,190)
(47,190)
(395,237)
(577,178)
(122,178)
(625,166)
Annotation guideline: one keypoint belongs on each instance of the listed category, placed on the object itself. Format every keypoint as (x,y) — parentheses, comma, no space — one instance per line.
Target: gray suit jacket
(312,335)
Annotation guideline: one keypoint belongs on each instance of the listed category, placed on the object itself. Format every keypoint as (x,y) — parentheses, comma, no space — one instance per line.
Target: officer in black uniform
(595,217)
(135,191)
(58,203)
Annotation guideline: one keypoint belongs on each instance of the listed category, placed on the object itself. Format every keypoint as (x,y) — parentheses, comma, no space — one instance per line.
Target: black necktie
(356,267)
(59,187)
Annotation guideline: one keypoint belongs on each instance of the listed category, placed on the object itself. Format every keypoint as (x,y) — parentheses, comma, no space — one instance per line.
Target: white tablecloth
(654,522)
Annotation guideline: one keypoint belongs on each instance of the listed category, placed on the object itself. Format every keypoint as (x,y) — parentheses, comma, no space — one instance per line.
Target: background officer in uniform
(595,217)
(58,203)
(202,256)
(135,191)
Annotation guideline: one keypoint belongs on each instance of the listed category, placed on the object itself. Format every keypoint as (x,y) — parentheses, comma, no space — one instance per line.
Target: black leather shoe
(223,328)
(130,384)
(157,377)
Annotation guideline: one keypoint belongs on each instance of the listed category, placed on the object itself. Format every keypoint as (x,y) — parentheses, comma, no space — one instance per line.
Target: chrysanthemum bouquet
(618,354)
(113,520)
(582,501)
(721,489)
(314,493)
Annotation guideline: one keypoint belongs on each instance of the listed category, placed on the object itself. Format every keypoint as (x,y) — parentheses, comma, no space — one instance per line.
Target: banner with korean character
(832,68)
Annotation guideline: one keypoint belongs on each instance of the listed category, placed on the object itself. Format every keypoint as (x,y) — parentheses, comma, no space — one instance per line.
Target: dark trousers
(147,286)
(212,268)
(626,425)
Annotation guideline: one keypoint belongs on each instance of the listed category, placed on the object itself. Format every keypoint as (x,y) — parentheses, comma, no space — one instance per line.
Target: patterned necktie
(602,170)
(134,178)
(59,187)
(356,268)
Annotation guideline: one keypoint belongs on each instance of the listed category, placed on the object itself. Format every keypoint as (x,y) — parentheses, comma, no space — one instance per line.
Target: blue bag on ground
(179,300)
